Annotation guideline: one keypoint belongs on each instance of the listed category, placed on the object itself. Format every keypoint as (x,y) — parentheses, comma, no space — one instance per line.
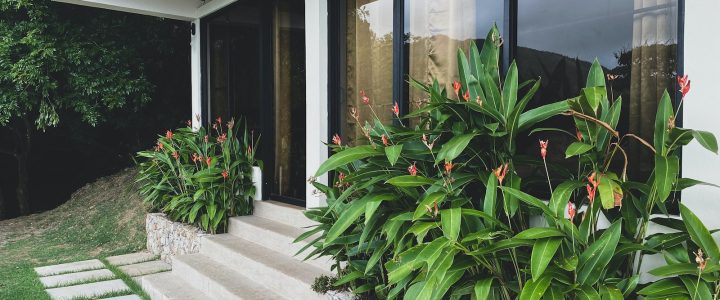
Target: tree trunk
(22,186)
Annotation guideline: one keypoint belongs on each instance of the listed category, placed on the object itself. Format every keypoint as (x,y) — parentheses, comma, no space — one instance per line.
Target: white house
(295,69)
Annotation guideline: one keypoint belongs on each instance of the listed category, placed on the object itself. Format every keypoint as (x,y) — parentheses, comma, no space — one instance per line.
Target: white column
(701,107)
(316,65)
(196,74)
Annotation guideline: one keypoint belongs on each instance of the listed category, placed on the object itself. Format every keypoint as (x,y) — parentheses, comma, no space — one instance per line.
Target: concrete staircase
(254,260)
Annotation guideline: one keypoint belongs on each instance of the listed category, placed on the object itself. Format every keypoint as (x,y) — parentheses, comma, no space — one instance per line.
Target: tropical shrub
(443,209)
(200,177)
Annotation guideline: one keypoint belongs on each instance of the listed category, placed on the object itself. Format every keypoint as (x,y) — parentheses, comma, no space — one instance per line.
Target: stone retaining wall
(167,238)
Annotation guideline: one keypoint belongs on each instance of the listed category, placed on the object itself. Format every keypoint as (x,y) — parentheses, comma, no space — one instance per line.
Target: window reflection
(633,40)
(435,29)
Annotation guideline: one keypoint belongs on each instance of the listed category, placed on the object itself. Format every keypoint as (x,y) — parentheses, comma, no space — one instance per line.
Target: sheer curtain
(368,66)
(652,67)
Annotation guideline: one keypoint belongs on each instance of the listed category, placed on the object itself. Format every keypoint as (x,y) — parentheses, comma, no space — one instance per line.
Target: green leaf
(539,114)
(597,256)
(661,136)
(586,292)
(351,213)
(699,233)
(528,199)
(431,251)
(596,76)
(612,119)
(535,289)
(568,263)
(542,253)
(510,88)
(683,183)
(348,278)
(450,219)
(482,288)
(663,287)
(409,181)
(577,148)
(706,139)
(428,201)
(539,233)
(393,153)
(345,157)
(607,197)
(454,147)
(490,197)
(560,197)
(701,292)
(666,172)
(420,290)
(675,269)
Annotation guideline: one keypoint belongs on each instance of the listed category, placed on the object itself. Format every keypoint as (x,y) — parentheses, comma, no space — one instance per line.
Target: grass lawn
(102,219)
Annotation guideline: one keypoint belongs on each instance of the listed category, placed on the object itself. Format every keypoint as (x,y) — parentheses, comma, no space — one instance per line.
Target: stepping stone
(132,258)
(72,278)
(88,290)
(128,297)
(85,265)
(145,268)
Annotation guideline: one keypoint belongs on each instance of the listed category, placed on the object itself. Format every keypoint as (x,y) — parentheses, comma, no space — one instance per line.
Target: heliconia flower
(336,139)
(215,126)
(466,96)
(249,150)
(456,87)
(354,113)
(700,259)
(208,160)
(385,140)
(478,100)
(189,123)
(425,141)
(160,146)
(543,148)
(196,157)
(571,210)
(448,167)
(684,83)
(341,177)
(611,77)
(593,181)
(412,170)
(169,135)
(176,155)
(591,193)
(231,124)
(396,110)
(364,97)
(206,138)
(578,134)
(225,174)
(222,138)
(500,173)
(219,120)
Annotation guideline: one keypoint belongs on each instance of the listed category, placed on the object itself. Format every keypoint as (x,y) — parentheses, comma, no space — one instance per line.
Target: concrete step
(276,236)
(87,290)
(78,266)
(220,280)
(287,214)
(128,297)
(166,286)
(74,278)
(132,258)
(278,272)
(145,268)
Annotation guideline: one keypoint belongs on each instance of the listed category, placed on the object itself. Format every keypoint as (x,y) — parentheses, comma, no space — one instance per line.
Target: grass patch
(104,218)
(134,286)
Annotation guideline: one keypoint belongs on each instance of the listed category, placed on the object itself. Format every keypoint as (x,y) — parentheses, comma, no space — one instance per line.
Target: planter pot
(257,182)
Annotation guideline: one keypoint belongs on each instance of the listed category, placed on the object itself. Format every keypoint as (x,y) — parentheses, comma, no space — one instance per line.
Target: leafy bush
(200,177)
(443,210)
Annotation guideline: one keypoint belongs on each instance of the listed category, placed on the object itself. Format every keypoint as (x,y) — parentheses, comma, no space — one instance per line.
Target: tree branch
(594,120)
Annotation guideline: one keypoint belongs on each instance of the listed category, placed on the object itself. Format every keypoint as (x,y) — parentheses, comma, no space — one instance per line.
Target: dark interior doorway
(255,69)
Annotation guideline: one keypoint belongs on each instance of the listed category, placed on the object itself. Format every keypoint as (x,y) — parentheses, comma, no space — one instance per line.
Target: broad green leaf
(612,120)
(699,233)
(542,253)
(484,216)
(535,289)
(663,287)
(510,88)
(428,201)
(528,199)
(393,153)
(696,290)
(514,118)
(568,263)
(664,112)
(420,290)
(542,113)
(587,292)
(607,197)
(490,197)
(503,245)
(610,293)
(431,251)
(561,196)
(351,213)
(539,233)
(348,278)
(683,183)
(596,76)
(706,139)
(675,269)
(345,157)
(454,147)
(666,172)
(409,181)
(482,288)
(450,219)
(577,148)
(597,256)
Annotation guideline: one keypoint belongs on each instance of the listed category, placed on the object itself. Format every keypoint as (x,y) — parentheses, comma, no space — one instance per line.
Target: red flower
(336,139)
(222,138)
(466,96)
(208,160)
(571,210)
(501,172)
(543,148)
(176,155)
(225,174)
(219,120)
(592,180)
(159,146)
(396,110)
(412,170)
(578,134)
(341,177)
(169,135)
(456,87)
(249,151)
(384,140)
(196,157)
(684,83)
(206,138)
(364,97)
(448,167)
